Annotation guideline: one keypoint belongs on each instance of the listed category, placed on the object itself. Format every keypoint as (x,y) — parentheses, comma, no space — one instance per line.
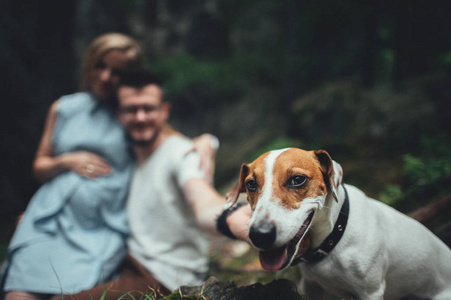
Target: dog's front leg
(374,294)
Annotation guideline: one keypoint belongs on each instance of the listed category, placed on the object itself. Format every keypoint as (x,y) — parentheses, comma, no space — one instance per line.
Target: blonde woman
(71,235)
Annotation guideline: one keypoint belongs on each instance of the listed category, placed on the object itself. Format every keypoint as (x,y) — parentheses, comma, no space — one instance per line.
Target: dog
(347,245)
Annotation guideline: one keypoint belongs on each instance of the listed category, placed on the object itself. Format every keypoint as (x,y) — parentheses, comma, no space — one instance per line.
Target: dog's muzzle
(263,236)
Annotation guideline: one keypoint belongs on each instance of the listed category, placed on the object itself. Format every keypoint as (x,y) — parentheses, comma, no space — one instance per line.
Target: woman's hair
(105,43)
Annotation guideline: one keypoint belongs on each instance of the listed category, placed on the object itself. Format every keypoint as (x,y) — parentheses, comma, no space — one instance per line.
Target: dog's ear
(232,195)
(332,172)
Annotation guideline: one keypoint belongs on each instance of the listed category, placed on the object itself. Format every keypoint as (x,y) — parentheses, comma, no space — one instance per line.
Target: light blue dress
(72,235)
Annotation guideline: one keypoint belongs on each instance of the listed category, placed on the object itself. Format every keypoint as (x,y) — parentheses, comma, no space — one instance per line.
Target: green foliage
(279,143)
(385,60)
(127,296)
(427,174)
(434,163)
(184,72)
(444,60)
(390,194)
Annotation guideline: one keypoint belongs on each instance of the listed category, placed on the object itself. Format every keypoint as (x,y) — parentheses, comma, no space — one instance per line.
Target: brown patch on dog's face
(292,167)
(256,173)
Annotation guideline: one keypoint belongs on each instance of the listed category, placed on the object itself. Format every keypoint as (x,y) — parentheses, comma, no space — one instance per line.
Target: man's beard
(146,142)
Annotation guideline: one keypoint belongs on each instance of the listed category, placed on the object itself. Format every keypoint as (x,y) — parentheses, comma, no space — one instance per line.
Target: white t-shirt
(165,237)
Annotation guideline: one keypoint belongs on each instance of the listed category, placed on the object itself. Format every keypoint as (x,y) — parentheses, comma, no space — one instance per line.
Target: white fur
(382,255)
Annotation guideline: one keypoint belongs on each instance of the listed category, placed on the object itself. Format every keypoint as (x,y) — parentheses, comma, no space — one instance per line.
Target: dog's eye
(297,181)
(251,185)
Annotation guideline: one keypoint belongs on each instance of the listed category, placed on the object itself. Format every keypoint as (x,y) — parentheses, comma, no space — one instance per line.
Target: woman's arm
(206,146)
(46,165)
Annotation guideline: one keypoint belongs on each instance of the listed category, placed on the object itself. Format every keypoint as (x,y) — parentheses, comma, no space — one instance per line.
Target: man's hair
(139,78)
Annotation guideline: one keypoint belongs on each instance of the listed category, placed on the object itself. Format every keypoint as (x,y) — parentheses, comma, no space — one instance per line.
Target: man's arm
(207,204)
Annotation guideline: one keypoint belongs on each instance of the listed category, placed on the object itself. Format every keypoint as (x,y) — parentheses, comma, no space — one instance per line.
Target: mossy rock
(276,289)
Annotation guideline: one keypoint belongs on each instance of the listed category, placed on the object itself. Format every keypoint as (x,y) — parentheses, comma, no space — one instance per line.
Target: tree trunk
(426,213)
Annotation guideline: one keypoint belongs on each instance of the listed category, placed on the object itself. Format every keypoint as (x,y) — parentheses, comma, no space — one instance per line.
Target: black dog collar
(221,221)
(332,239)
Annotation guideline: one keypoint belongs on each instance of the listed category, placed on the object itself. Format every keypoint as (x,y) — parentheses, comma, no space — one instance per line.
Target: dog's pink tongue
(273,260)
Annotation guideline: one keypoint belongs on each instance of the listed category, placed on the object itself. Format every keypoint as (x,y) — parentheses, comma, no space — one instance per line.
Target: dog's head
(285,188)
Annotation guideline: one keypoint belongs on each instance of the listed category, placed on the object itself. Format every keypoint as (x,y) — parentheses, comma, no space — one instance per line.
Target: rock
(276,289)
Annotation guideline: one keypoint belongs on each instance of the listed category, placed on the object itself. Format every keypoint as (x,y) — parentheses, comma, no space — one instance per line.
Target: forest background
(369,81)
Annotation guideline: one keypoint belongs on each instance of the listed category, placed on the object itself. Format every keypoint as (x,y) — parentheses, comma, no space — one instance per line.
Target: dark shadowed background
(369,81)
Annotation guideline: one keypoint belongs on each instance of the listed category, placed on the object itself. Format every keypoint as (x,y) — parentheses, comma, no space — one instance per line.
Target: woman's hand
(206,146)
(46,165)
(86,164)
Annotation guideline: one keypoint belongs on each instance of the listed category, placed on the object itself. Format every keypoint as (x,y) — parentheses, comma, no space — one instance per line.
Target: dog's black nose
(263,236)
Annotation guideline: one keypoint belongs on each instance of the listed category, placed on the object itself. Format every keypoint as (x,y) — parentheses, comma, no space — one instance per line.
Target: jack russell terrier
(348,246)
